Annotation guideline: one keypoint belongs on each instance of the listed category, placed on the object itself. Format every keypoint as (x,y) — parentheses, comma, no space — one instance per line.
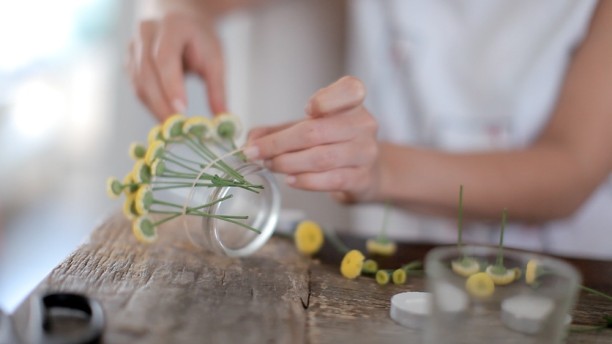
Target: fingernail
(290,180)
(179,106)
(251,152)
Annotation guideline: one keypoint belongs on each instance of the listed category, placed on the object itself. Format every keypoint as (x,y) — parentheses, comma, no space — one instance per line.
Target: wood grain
(173,292)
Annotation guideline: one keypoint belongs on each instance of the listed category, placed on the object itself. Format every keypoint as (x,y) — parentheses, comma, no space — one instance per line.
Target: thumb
(346,93)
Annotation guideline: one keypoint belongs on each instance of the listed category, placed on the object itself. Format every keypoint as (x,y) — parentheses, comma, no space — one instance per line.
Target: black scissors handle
(43,319)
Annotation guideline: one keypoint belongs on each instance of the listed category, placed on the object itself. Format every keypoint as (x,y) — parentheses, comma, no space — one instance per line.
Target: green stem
(460,221)
(382,236)
(596,292)
(335,241)
(412,265)
(222,165)
(174,161)
(209,204)
(208,155)
(183,158)
(182,185)
(201,213)
(166,219)
(500,253)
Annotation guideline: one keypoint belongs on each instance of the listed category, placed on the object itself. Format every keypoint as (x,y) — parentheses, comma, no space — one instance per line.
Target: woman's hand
(334,149)
(163,50)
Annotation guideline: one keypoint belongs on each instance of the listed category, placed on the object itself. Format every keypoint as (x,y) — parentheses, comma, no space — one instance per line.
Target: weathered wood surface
(173,292)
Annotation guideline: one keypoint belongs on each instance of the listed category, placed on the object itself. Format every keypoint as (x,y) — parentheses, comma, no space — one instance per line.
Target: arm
(334,149)
(547,180)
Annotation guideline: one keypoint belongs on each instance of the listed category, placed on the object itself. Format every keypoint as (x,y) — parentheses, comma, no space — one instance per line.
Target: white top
(473,75)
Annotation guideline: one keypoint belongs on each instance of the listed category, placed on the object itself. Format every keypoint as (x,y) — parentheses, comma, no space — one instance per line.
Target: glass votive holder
(229,206)
(530,306)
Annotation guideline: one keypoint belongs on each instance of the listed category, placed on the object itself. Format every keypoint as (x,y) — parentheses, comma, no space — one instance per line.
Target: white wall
(278,56)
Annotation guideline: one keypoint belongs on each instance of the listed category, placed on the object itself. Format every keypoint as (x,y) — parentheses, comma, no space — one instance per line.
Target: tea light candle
(411,309)
(526,313)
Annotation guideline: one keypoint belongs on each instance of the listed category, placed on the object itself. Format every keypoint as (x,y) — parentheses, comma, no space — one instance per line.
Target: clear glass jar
(262,210)
(533,308)
(203,206)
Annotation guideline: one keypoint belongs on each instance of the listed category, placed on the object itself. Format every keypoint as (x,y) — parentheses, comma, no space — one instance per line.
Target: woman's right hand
(163,50)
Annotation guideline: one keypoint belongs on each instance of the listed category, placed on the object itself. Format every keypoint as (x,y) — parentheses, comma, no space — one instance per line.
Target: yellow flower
(465,267)
(383,248)
(308,237)
(198,126)
(144,230)
(173,127)
(227,126)
(351,264)
(155,150)
(129,208)
(370,266)
(158,167)
(382,277)
(137,151)
(480,285)
(143,199)
(141,172)
(129,186)
(113,187)
(155,134)
(531,271)
(399,276)
(501,276)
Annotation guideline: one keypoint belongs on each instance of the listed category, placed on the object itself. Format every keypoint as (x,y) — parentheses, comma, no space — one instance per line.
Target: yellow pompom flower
(113,187)
(144,230)
(465,266)
(370,266)
(158,167)
(141,172)
(137,151)
(155,134)
(143,199)
(173,127)
(501,276)
(381,247)
(480,285)
(227,126)
(399,276)
(382,277)
(351,264)
(198,126)
(531,271)
(155,150)
(308,237)
(129,207)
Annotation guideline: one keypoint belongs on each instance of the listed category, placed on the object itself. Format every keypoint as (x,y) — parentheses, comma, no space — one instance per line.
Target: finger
(144,76)
(324,158)
(350,179)
(208,64)
(256,133)
(313,132)
(168,63)
(346,93)
(152,94)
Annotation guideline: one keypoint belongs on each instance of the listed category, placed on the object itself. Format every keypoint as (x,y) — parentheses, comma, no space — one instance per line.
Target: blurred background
(68,113)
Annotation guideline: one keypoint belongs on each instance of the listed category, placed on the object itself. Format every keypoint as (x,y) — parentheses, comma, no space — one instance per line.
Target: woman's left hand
(334,149)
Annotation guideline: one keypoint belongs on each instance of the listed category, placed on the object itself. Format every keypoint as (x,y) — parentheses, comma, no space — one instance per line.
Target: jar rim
(270,215)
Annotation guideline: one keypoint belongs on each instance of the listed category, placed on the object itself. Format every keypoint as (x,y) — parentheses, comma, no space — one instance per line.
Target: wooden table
(172,292)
